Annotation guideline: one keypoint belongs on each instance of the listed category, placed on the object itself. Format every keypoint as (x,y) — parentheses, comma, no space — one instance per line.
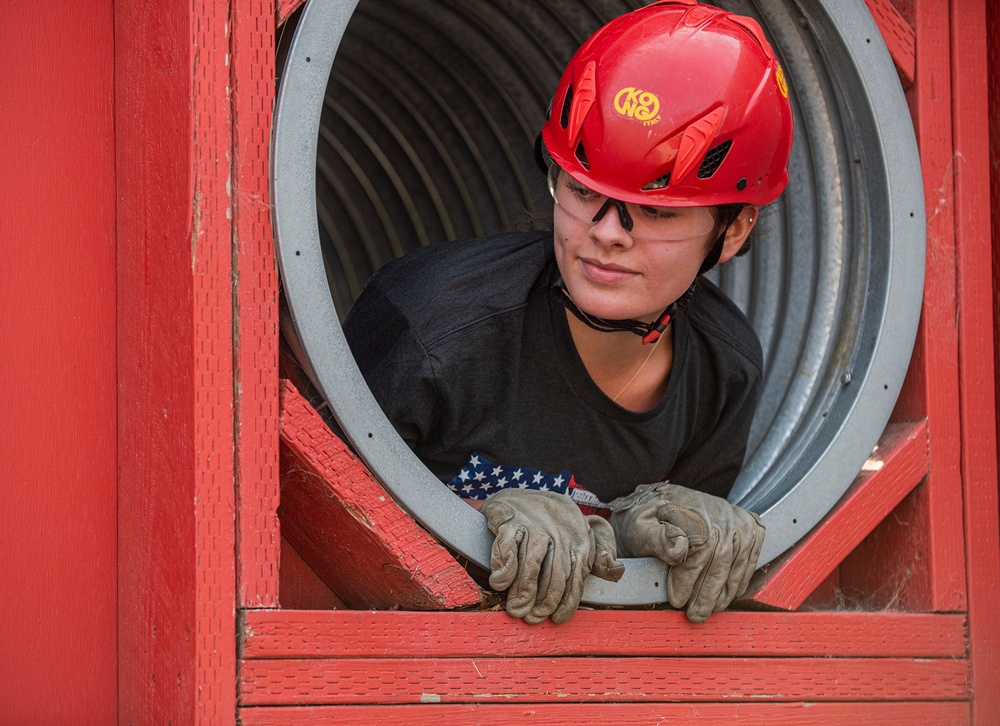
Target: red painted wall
(57,377)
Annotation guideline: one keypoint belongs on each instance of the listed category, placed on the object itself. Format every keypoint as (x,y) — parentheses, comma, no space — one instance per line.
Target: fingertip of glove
(612,572)
(697,616)
(561,615)
(501,580)
(533,619)
(677,553)
(687,520)
(519,610)
(496,513)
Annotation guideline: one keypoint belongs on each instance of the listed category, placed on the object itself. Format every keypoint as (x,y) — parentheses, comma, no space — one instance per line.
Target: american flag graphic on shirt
(481,478)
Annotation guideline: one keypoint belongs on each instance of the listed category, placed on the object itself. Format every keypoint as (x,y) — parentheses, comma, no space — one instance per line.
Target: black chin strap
(716,252)
(649,332)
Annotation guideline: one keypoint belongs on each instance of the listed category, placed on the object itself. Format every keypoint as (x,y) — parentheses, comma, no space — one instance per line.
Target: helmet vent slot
(659,182)
(566,107)
(581,155)
(713,158)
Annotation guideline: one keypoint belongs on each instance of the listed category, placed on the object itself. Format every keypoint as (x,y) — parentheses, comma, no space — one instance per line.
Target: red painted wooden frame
(198,412)
(350,531)
(176,437)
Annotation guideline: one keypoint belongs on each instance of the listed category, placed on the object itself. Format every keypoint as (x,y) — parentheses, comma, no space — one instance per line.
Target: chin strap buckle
(656,329)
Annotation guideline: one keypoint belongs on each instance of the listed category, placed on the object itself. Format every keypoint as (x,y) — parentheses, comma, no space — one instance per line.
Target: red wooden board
(284,8)
(176,501)
(898,36)
(897,466)
(760,714)
(278,634)
(256,324)
(976,352)
(347,528)
(927,538)
(617,680)
(300,587)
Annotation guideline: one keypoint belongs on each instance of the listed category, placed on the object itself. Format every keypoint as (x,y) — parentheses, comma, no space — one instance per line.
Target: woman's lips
(606,273)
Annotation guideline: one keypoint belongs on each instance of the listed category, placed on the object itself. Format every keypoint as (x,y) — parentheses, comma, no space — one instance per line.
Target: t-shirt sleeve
(712,464)
(394,363)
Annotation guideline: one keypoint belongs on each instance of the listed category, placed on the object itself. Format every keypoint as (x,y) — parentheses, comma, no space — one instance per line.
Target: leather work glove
(544,549)
(711,545)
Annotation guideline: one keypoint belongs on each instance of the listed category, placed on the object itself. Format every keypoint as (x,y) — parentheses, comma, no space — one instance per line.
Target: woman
(592,360)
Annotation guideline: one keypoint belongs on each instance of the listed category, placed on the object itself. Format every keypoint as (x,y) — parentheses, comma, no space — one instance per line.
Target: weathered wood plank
(348,529)
(326,634)
(256,323)
(898,36)
(976,352)
(898,465)
(593,680)
(915,713)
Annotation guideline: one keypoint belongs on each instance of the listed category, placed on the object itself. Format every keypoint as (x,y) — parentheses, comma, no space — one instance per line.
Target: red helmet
(674,104)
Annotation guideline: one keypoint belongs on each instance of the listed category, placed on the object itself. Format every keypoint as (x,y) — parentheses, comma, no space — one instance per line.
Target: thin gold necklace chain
(639,369)
(641,365)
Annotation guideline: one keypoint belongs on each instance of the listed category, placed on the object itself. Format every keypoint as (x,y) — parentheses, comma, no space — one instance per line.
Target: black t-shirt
(467,349)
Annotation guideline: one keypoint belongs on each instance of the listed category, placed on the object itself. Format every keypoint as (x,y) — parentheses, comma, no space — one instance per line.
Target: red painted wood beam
(920,713)
(256,321)
(898,36)
(176,501)
(592,680)
(280,634)
(349,530)
(284,8)
(897,466)
(926,539)
(976,350)
(300,587)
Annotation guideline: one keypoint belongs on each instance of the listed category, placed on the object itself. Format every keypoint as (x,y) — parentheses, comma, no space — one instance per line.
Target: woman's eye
(581,192)
(659,212)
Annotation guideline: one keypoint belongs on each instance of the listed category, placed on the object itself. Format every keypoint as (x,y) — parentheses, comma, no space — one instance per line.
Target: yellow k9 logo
(638,104)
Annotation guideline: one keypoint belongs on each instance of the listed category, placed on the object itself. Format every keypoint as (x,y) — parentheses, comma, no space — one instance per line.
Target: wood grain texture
(925,540)
(156,615)
(898,36)
(346,527)
(177,629)
(278,634)
(897,466)
(212,271)
(986,637)
(970,97)
(921,713)
(590,680)
(300,587)
(256,322)
(58,477)
(284,8)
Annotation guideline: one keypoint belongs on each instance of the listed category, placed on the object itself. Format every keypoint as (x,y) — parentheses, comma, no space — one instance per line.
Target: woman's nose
(608,230)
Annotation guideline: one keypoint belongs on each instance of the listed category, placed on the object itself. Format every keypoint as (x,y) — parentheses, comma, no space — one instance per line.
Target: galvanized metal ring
(833,288)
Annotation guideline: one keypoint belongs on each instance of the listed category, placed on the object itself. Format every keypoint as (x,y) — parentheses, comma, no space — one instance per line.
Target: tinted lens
(666,223)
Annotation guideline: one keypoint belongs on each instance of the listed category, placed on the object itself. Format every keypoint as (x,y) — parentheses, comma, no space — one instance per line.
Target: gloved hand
(544,549)
(711,545)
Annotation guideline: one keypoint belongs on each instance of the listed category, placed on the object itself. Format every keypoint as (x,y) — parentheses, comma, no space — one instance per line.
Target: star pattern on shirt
(481,478)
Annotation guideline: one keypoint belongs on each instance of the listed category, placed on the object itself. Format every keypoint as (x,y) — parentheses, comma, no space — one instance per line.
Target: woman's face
(612,274)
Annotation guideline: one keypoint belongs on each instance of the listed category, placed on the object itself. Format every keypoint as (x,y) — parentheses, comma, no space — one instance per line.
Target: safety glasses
(640,221)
